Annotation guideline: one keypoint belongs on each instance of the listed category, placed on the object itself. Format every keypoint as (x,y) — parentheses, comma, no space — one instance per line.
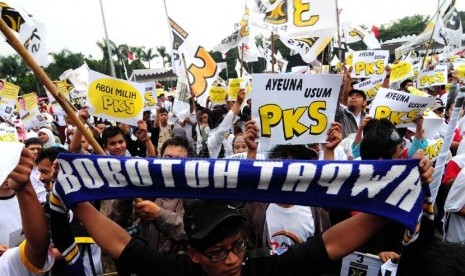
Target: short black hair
(404,83)
(32,141)
(300,152)
(50,153)
(377,140)
(110,132)
(177,141)
(162,110)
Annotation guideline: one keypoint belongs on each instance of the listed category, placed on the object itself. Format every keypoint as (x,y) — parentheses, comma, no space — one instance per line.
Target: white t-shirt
(12,265)
(454,202)
(10,218)
(288,226)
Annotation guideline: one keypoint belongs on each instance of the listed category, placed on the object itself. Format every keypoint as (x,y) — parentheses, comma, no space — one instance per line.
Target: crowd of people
(172,236)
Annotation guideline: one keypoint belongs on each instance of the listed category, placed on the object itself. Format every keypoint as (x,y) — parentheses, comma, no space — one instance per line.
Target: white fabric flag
(307,48)
(354,34)
(239,36)
(201,67)
(295,19)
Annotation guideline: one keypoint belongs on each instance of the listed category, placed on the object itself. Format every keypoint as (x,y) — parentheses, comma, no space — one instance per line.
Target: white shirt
(288,226)
(454,202)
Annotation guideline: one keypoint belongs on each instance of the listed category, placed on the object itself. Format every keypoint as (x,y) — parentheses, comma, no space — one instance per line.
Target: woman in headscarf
(47,138)
(21,132)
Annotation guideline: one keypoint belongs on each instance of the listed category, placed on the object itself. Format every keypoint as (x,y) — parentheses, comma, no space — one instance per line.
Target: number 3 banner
(296,19)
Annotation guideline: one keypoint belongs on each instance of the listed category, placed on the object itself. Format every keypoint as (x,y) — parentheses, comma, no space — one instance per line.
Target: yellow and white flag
(295,19)
(240,35)
(202,70)
(8,95)
(308,48)
(354,34)
(31,32)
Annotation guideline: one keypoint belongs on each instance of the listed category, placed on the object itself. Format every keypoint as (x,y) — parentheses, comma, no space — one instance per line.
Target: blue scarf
(388,188)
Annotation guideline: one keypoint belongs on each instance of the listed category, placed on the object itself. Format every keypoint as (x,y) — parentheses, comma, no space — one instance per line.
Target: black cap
(202,216)
(358,92)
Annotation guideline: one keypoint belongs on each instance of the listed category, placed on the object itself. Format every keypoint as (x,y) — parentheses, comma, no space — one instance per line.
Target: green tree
(105,60)
(405,26)
(63,61)
(165,58)
(148,55)
(12,68)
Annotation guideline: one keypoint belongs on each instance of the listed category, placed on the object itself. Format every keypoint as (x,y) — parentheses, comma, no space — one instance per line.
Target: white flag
(295,19)
(239,36)
(201,67)
(354,34)
(307,48)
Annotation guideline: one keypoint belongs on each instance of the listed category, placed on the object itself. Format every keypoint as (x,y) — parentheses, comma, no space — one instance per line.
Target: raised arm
(333,140)
(32,214)
(106,233)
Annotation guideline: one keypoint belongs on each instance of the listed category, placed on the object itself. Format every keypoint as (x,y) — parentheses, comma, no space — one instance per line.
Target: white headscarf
(51,138)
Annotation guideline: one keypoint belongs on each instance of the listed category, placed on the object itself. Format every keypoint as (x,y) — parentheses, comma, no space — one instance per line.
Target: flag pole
(51,87)
(242,60)
(339,43)
(430,41)
(272,52)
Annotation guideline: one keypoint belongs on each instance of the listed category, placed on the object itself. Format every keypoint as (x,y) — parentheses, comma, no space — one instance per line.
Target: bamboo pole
(339,43)
(242,60)
(51,87)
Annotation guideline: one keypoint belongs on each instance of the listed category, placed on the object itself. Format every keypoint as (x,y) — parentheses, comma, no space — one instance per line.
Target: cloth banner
(399,107)
(308,48)
(389,188)
(294,108)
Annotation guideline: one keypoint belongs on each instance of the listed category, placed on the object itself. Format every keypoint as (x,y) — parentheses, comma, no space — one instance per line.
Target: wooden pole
(51,87)
(272,52)
(242,59)
(339,43)
(430,41)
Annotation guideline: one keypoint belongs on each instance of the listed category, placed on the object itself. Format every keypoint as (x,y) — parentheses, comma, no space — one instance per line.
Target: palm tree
(105,61)
(162,53)
(12,67)
(63,61)
(148,55)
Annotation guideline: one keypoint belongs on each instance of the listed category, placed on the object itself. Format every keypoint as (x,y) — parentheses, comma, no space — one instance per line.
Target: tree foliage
(405,26)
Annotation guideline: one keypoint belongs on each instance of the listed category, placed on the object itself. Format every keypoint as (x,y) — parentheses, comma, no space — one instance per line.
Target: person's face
(84,143)
(35,149)
(163,117)
(356,101)
(101,127)
(43,137)
(21,103)
(116,145)
(399,151)
(239,145)
(19,130)
(231,265)
(46,172)
(146,115)
(409,84)
(174,152)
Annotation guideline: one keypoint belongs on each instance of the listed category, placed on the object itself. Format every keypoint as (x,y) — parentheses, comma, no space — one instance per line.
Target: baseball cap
(201,217)
(360,92)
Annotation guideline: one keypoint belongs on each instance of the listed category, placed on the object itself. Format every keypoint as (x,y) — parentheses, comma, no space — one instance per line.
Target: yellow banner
(218,95)
(235,85)
(401,71)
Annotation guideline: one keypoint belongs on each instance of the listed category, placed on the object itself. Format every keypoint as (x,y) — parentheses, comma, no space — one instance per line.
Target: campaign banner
(218,94)
(8,134)
(400,108)
(29,111)
(8,95)
(114,99)
(389,188)
(150,96)
(401,71)
(63,89)
(234,85)
(370,86)
(433,149)
(294,108)
(370,63)
(10,148)
(432,77)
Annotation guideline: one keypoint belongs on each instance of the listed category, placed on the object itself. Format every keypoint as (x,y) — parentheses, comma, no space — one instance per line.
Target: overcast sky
(77,24)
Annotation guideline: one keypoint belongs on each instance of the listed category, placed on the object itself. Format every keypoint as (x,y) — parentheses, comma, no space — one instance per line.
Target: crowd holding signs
(333,136)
